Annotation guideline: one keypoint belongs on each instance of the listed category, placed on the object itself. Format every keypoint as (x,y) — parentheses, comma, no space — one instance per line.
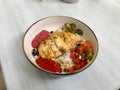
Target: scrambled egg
(47,49)
(50,48)
(64,40)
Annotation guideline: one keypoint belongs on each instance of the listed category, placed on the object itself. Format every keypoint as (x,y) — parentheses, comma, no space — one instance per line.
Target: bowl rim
(54,72)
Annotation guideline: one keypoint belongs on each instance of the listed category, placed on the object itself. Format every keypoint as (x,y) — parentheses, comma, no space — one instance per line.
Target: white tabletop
(102,16)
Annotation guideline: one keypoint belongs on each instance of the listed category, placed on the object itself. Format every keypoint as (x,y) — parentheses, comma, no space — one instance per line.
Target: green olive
(70,30)
(67,30)
(80,32)
(74,31)
(67,26)
(73,26)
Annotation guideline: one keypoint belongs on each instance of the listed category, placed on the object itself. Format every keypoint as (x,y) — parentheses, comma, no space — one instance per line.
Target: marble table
(102,16)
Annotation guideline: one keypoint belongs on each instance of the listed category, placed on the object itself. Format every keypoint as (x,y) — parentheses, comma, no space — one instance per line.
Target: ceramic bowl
(55,23)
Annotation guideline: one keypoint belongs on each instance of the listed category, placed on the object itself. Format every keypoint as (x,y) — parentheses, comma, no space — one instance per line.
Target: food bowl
(45,29)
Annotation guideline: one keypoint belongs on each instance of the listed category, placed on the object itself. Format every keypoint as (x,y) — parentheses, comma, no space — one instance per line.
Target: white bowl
(56,23)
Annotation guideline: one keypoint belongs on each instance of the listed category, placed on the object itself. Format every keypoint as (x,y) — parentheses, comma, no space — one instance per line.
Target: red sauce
(39,38)
(49,65)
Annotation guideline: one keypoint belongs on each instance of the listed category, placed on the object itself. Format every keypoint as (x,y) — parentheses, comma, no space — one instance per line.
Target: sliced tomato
(73,56)
(72,50)
(80,49)
(78,54)
(76,60)
(87,46)
(83,64)
(76,67)
(71,69)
